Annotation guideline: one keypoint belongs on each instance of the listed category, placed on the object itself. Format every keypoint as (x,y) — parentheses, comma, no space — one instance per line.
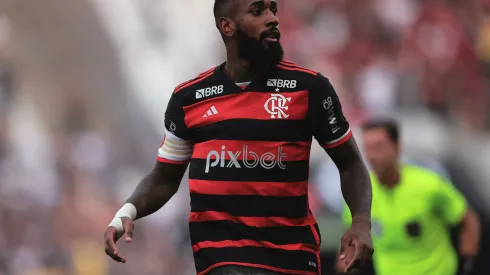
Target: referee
(413,209)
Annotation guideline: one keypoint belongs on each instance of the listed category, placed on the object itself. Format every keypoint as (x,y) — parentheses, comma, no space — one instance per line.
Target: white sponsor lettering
(250,159)
(207,92)
(281,83)
(332,119)
(276,106)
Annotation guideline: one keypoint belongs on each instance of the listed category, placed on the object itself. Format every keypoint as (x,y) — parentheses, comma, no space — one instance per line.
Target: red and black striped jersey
(249,150)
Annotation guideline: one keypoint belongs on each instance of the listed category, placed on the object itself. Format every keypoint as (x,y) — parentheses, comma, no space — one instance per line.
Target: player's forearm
(151,194)
(355,181)
(356,189)
(469,235)
(157,188)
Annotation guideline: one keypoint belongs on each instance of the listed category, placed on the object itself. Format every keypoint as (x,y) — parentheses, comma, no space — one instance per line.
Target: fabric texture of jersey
(410,224)
(249,168)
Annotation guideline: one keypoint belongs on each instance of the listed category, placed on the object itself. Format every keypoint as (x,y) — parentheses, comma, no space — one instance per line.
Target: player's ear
(227,26)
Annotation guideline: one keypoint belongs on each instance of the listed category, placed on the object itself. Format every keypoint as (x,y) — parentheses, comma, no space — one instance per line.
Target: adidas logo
(211,112)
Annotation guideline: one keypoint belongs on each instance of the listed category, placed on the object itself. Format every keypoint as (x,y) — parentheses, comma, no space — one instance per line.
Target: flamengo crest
(276,106)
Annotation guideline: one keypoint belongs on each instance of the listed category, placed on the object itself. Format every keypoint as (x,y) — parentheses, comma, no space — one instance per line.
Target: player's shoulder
(192,84)
(422,175)
(289,68)
(306,78)
(419,171)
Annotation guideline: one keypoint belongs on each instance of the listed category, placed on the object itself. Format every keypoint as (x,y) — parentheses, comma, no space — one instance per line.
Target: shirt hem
(258,266)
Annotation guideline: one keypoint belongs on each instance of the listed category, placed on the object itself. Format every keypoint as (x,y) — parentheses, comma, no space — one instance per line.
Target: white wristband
(127,211)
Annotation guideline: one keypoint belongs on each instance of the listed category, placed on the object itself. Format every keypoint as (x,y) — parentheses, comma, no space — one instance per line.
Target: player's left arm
(455,211)
(333,132)
(331,129)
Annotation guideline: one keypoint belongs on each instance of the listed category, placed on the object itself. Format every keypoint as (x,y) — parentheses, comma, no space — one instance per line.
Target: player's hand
(356,248)
(111,236)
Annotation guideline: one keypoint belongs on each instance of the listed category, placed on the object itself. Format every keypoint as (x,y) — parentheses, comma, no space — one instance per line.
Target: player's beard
(256,53)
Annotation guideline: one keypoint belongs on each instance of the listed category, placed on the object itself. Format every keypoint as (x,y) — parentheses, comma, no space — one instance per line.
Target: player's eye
(256,12)
(274,11)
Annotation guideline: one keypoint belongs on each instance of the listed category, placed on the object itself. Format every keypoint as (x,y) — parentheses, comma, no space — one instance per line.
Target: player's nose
(272,20)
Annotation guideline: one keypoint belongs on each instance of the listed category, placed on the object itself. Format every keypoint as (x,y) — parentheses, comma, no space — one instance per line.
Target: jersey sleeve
(177,144)
(329,126)
(450,202)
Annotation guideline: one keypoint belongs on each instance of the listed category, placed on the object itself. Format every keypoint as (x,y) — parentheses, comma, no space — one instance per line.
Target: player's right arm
(158,187)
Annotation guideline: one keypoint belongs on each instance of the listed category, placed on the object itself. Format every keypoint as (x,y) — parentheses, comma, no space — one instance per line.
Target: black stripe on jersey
(283,259)
(295,171)
(252,206)
(317,229)
(216,231)
(244,129)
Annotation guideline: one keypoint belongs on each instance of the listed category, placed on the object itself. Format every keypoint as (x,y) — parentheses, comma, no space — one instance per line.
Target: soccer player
(413,210)
(246,127)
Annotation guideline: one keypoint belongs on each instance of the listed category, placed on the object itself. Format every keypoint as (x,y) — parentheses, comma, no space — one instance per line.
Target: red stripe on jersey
(194,81)
(244,243)
(266,267)
(318,241)
(294,65)
(182,84)
(251,150)
(288,62)
(248,105)
(164,160)
(294,68)
(279,189)
(339,142)
(250,221)
(201,74)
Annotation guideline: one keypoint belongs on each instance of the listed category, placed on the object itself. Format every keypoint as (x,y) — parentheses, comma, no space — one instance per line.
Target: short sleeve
(450,203)
(177,145)
(174,118)
(329,126)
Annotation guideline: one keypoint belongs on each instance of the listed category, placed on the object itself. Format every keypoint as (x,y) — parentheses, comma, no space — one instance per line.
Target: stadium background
(84,85)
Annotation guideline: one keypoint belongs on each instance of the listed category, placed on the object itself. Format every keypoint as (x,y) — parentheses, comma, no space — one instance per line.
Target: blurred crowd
(60,186)
(385,54)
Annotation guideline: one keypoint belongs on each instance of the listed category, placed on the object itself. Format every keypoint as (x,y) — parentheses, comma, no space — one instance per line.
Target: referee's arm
(456,211)
(469,239)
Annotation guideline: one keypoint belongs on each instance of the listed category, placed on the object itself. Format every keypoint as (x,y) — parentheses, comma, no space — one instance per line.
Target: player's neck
(390,178)
(238,70)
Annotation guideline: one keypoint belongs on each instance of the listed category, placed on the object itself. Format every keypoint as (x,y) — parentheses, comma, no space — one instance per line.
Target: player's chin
(271,43)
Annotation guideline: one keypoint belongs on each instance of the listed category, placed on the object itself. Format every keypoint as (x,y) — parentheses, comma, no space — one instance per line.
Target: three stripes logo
(211,112)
